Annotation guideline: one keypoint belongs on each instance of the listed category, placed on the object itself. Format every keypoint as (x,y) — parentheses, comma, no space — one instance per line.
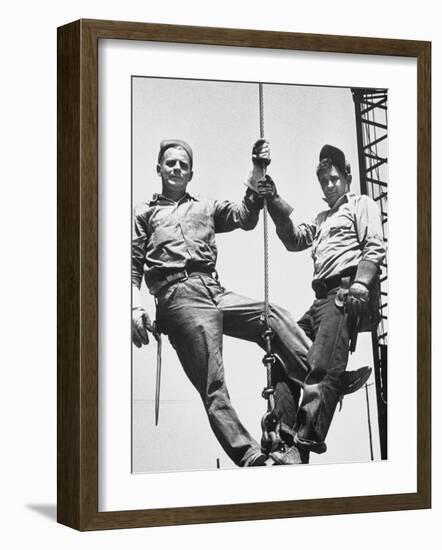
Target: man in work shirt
(347,249)
(174,249)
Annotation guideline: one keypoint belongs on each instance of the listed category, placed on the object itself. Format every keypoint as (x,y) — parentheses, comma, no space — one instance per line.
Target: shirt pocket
(163,232)
(340,228)
(199,229)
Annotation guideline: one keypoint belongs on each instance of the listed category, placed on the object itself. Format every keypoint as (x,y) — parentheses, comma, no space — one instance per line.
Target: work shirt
(340,237)
(171,236)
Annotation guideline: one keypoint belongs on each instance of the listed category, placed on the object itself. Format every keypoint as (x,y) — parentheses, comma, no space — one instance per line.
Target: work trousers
(195,313)
(326,325)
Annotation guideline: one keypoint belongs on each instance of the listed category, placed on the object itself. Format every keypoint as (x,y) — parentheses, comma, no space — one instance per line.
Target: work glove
(359,292)
(252,200)
(278,208)
(141,326)
(357,299)
(261,153)
(266,188)
(260,160)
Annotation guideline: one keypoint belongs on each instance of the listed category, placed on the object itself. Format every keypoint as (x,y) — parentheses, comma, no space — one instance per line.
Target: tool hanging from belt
(352,321)
(158,374)
(270,423)
(157,335)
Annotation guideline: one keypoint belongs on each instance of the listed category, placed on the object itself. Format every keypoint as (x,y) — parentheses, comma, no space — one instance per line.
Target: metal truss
(372,132)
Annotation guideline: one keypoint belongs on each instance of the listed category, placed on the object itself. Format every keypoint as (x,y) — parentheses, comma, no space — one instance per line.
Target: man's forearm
(295,238)
(279,210)
(248,210)
(366,273)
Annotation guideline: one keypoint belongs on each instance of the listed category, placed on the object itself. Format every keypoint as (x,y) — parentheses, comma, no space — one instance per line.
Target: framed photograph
(243,275)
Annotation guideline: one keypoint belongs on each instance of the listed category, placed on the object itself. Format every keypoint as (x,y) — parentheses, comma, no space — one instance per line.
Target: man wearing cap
(347,249)
(174,249)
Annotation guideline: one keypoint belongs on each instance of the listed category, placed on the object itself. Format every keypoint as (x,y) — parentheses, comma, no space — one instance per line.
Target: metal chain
(270,423)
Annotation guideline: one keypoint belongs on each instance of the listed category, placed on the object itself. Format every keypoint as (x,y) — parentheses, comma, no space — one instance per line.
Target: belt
(160,283)
(322,287)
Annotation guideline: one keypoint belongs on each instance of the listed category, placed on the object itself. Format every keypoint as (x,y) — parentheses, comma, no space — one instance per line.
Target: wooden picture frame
(77,224)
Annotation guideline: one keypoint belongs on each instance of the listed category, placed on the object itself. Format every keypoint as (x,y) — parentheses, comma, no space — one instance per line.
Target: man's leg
(194,325)
(288,393)
(243,318)
(327,358)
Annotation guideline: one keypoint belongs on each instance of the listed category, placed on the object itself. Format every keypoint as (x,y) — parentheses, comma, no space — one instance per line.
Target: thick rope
(265,218)
(261,111)
(266,264)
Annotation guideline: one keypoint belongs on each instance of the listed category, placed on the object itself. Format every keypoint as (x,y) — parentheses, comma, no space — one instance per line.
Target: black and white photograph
(220,236)
(259,274)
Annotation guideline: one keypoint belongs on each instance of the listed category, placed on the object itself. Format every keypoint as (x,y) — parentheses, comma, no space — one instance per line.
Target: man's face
(174,170)
(333,183)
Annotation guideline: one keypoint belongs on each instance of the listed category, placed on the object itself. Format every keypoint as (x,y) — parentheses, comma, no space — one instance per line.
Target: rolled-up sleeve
(139,241)
(230,215)
(369,230)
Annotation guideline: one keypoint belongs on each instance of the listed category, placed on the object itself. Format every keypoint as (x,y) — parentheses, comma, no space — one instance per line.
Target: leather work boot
(353,380)
(261,460)
(287,456)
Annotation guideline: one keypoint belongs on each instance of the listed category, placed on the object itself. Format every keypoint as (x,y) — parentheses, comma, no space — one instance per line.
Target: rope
(261,111)
(266,265)
(265,217)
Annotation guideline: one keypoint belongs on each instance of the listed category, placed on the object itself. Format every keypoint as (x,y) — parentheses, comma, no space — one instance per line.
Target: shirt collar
(158,197)
(341,200)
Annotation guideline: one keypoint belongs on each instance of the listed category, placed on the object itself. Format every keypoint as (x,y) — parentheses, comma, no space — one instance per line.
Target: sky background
(220,120)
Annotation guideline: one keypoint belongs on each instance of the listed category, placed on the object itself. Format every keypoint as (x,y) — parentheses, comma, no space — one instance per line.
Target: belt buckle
(176,277)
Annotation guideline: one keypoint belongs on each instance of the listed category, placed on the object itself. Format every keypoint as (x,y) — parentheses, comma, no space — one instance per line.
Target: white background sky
(28,351)
(220,120)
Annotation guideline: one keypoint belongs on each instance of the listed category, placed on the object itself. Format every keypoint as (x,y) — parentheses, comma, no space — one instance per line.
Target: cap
(335,156)
(168,143)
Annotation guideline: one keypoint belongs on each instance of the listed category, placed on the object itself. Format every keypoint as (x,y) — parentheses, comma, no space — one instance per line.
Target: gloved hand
(260,160)
(252,200)
(359,293)
(261,153)
(357,299)
(266,188)
(141,326)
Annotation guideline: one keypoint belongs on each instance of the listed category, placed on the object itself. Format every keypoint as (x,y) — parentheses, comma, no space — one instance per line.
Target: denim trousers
(195,313)
(326,325)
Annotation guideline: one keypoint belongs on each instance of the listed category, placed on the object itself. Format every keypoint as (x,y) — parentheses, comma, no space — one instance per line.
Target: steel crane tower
(372,132)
